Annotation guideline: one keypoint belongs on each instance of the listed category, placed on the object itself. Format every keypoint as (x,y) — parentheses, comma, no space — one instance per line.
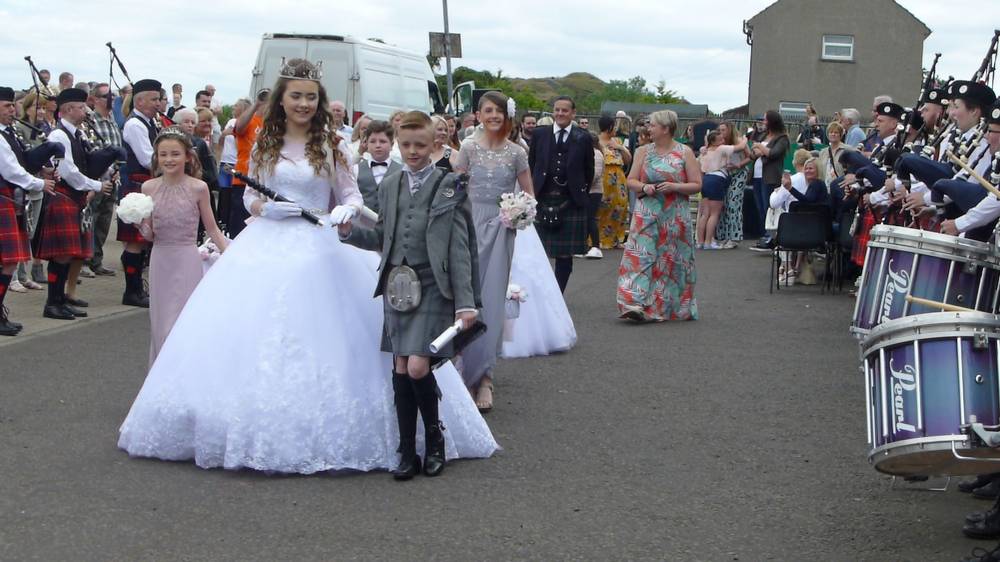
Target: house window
(794,110)
(838,47)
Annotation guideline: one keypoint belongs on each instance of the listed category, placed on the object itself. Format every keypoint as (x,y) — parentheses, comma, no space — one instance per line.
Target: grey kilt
(411,333)
(571,236)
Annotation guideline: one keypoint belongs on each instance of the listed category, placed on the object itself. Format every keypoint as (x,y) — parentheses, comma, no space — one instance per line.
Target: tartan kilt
(571,236)
(14,245)
(58,233)
(129,233)
(865,225)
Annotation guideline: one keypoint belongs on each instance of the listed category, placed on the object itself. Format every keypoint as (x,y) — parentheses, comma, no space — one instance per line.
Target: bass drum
(925,377)
(903,262)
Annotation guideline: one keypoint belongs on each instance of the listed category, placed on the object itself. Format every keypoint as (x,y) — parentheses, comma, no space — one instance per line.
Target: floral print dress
(612,216)
(657,275)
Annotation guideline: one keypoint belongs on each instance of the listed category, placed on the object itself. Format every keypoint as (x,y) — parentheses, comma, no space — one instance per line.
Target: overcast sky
(698,47)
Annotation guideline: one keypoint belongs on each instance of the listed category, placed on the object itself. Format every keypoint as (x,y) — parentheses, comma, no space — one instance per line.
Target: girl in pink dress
(180,199)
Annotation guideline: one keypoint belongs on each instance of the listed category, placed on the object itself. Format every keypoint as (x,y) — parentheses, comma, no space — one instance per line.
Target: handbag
(771,219)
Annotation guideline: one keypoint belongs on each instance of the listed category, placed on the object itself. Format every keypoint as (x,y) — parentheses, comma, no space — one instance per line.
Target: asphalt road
(737,437)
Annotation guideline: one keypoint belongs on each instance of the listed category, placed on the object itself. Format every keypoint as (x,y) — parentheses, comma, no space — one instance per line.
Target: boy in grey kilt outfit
(428,279)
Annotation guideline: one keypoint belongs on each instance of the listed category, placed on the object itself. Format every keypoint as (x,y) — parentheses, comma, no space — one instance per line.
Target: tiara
(298,72)
(172,132)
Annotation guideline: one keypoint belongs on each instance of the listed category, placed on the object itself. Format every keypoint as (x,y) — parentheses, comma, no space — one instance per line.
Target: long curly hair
(323,139)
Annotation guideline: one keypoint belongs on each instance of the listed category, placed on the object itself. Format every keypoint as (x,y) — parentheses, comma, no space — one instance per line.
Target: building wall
(786,62)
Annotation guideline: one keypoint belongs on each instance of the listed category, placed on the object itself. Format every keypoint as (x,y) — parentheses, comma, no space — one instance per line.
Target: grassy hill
(578,85)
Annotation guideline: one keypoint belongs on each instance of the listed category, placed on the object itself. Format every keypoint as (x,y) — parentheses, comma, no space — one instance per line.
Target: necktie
(374,164)
(562,137)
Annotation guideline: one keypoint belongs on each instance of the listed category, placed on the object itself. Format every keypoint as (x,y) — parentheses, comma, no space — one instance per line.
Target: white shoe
(85,271)
(17,287)
(594,254)
(713,246)
(730,245)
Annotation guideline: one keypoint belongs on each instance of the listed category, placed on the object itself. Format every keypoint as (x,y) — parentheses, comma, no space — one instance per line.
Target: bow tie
(386,164)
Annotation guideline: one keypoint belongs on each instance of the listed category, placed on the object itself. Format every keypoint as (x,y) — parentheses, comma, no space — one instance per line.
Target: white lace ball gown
(274,363)
(544,325)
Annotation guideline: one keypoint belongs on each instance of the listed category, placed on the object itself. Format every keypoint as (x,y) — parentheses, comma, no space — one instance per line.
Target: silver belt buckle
(403,288)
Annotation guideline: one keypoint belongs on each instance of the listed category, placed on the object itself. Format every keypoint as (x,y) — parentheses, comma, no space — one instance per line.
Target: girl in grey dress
(495,166)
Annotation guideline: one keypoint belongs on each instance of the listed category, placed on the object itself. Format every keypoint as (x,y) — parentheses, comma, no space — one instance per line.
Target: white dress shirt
(377,171)
(557,128)
(136,136)
(68,169)
(11,169)
(782,199)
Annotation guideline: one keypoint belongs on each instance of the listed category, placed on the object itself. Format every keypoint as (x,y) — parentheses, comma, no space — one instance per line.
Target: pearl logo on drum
(896,282)
(903,382)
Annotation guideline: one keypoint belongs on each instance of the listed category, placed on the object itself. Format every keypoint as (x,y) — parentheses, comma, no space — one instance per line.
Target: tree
(435,62)
(663,95)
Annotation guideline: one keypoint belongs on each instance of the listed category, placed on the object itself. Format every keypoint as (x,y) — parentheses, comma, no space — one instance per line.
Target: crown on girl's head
(301,69)
(172,132)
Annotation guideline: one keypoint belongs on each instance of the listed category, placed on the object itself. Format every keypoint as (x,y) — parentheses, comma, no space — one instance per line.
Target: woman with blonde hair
(657,274)
(730,229)
(441,155)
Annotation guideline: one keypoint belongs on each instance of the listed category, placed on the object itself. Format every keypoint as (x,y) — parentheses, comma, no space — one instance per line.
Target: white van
(371,78)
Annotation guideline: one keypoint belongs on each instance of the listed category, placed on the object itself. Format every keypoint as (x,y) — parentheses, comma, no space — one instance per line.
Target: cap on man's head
(993,115)
(890,109)
(70,95)
(146,85)
(937,96)
(6,94)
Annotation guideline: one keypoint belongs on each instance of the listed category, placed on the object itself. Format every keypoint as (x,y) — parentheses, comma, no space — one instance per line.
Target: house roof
(683,110)
(926,30)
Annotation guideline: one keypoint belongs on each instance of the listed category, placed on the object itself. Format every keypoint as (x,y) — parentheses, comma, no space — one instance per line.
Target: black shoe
(977,516)
(987,528)
(58,312)
(8,328)
(434,458)
(4,319)
(133,299)
(983,555)
(990,491)
(103,271)
(409,466)
(79,303)
(969,485)
(74,311)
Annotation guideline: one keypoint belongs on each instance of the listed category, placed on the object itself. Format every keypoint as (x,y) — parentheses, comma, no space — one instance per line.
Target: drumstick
(937,304)
(975,175)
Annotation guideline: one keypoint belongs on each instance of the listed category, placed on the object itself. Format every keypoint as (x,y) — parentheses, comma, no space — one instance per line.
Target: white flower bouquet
(517,210)
(135,207)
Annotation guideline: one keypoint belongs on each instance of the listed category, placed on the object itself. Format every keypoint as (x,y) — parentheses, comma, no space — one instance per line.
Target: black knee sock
(564,267)
(58,273)
(132,263)
(426,391)
(4,284)
(406,413)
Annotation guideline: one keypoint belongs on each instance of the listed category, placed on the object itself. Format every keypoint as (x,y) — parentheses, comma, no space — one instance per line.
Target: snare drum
(926,376)
(903,262)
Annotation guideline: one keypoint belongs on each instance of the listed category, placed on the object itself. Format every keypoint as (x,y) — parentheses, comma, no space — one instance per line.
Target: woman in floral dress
(612,216)
(657,274)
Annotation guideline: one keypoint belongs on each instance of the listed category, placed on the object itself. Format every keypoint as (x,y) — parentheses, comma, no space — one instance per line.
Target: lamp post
(447,53)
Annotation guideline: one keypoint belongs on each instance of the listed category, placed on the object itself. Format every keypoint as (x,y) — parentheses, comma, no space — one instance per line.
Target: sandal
(485,405)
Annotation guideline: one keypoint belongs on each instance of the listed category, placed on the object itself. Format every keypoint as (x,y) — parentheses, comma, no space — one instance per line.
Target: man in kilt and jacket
(60,236)
(562,170)
(17,168)
(138,134)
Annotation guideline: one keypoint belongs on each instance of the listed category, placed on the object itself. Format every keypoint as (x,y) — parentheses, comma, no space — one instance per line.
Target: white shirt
(11,169)
(377,171)
(782,199)
(395,154)
(136,136)
(557,128)
(345,132)
(229,145)
(68,169)
(758,164)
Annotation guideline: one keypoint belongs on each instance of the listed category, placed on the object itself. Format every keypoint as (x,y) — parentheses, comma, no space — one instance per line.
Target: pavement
(737,437)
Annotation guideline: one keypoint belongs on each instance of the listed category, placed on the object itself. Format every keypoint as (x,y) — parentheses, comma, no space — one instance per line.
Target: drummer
(986,212)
